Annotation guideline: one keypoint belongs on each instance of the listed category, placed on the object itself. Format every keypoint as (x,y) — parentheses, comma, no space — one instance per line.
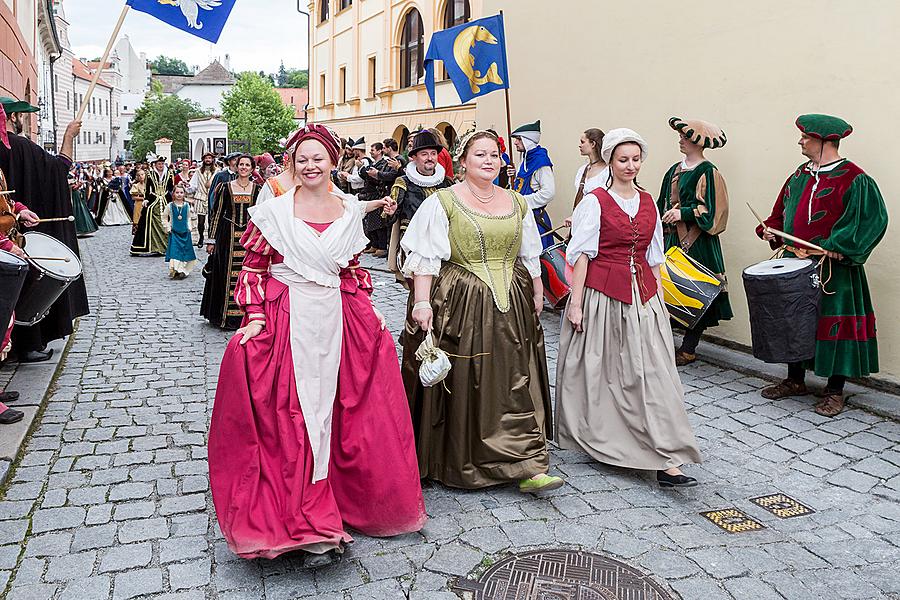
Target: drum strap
(688,233)
(579,196)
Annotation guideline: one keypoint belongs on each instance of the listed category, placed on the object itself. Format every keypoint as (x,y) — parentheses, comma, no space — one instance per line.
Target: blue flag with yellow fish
(203,18)
(474,56)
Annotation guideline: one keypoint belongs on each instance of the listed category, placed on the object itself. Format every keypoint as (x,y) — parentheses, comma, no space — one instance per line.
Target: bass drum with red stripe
(556,275)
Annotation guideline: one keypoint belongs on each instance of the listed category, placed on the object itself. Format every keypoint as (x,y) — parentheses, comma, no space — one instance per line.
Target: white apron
(311,270)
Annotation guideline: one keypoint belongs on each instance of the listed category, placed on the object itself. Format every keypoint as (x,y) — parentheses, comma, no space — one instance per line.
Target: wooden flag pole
(508,112)
(103,59)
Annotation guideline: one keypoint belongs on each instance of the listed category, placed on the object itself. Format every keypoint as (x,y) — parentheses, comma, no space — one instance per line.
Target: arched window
(324,10)
(412,49)
(456,12)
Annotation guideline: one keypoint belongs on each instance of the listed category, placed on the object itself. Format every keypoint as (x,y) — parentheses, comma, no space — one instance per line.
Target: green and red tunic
(702,197)
(841,209)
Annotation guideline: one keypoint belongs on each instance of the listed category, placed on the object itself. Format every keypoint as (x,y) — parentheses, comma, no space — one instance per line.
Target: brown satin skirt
(489,421)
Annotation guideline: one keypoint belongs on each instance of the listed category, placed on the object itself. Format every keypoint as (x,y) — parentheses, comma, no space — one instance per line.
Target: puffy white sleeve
(585,230)
(531,248)
(167,218)
(427,239)
(656,251)
(545,184)
(265,194)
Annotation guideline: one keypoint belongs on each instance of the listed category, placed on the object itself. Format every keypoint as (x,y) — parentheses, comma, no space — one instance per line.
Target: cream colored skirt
(618,394)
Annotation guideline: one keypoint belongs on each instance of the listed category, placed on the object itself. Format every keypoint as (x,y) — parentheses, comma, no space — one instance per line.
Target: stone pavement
(111,498)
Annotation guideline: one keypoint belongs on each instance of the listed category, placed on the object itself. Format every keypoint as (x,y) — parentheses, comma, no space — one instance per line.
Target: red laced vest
(623,243)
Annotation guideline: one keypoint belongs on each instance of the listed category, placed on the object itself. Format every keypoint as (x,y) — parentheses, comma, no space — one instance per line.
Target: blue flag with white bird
(203,18)
(474,57)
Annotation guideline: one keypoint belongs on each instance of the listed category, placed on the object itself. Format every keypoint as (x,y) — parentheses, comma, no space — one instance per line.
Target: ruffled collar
(425,180)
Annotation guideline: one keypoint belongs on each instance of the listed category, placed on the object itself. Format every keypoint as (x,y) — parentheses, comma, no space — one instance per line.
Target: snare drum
(783,297)
(13,271)
(47,279)
(556,275)
(689,288)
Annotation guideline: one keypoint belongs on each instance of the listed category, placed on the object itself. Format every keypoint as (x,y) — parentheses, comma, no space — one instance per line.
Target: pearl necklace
(482,199)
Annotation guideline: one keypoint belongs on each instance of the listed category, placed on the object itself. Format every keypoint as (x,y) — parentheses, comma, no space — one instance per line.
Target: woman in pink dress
(311,432)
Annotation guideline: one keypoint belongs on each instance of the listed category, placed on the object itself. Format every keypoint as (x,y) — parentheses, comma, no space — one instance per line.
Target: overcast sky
(256,38)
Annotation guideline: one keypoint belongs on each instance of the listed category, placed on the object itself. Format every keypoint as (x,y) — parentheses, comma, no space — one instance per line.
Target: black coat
(40,181)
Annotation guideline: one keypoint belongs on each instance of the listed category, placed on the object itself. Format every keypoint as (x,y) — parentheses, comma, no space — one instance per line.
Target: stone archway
(199,149)
(401,136)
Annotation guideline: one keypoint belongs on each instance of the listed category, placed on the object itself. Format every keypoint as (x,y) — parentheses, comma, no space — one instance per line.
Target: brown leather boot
(683,358)
(831,405)
(785,389)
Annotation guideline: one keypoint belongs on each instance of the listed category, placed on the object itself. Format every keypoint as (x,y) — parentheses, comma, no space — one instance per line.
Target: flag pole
(103,59)
(508,114)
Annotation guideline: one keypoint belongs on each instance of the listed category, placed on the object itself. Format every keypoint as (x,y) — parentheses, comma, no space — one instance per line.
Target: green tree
(164,65)
(282,75)
(162,117)
(254,111)
(296,78)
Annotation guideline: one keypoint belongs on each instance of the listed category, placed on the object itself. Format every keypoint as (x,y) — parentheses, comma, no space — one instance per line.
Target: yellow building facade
(366,76)
(751,68)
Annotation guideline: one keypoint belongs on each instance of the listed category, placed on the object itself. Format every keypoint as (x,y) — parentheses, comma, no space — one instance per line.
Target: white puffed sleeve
(585,230)
(656,251)
(427,239)
(531,248)
(544,185)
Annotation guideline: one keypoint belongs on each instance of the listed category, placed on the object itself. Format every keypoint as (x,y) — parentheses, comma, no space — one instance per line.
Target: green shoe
(542,483)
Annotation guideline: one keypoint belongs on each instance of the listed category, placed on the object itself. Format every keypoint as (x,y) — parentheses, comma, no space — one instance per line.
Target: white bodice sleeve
(531,248)
(585,231)
(427,239)
(586,234)
(656,252)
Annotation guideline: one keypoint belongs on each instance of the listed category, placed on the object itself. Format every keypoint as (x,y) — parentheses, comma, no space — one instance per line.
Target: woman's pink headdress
(320,133)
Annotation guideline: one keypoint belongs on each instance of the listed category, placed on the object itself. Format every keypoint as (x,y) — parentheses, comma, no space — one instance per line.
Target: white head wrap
(621,136)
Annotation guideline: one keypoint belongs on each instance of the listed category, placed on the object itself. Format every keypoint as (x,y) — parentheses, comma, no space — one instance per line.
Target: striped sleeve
(249,293)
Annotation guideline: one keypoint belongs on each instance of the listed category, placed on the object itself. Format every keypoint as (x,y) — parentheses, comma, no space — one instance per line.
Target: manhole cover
(733,520)
(783,507)
(562,575)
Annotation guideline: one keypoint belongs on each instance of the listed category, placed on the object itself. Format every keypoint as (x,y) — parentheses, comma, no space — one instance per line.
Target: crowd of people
(469,405)
(317,428)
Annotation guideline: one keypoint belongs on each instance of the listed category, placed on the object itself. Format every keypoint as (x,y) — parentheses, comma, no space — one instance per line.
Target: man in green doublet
(832,203)
(693,205)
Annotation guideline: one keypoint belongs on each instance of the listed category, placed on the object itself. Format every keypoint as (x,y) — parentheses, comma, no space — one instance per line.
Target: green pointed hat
(11,105)
(528,128)
(824,127)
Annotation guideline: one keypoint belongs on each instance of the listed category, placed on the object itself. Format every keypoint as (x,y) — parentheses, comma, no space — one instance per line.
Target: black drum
(13,271)
(783,297)
(53,269)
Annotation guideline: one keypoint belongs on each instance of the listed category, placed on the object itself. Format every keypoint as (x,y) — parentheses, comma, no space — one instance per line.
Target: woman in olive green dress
(473,253)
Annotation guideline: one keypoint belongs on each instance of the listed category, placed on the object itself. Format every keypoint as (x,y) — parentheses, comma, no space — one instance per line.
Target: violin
(9,221)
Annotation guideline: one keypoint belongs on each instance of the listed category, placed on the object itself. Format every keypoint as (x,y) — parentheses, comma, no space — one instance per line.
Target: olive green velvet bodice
(485,245)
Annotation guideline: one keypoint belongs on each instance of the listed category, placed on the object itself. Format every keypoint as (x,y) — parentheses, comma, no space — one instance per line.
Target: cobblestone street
(111,497)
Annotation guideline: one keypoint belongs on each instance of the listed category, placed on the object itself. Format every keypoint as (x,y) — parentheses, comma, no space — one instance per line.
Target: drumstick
(786,236)
(7,192)
(69,219)
(552,231)
(62,258)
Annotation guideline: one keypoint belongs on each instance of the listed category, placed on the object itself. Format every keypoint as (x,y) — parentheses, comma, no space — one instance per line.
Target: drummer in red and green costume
(831,202)
(693,205)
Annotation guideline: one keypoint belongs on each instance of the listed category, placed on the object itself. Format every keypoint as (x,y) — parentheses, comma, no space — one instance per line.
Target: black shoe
(670,481)
(318,561)
(36,356)
(10,416)
(7,397)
